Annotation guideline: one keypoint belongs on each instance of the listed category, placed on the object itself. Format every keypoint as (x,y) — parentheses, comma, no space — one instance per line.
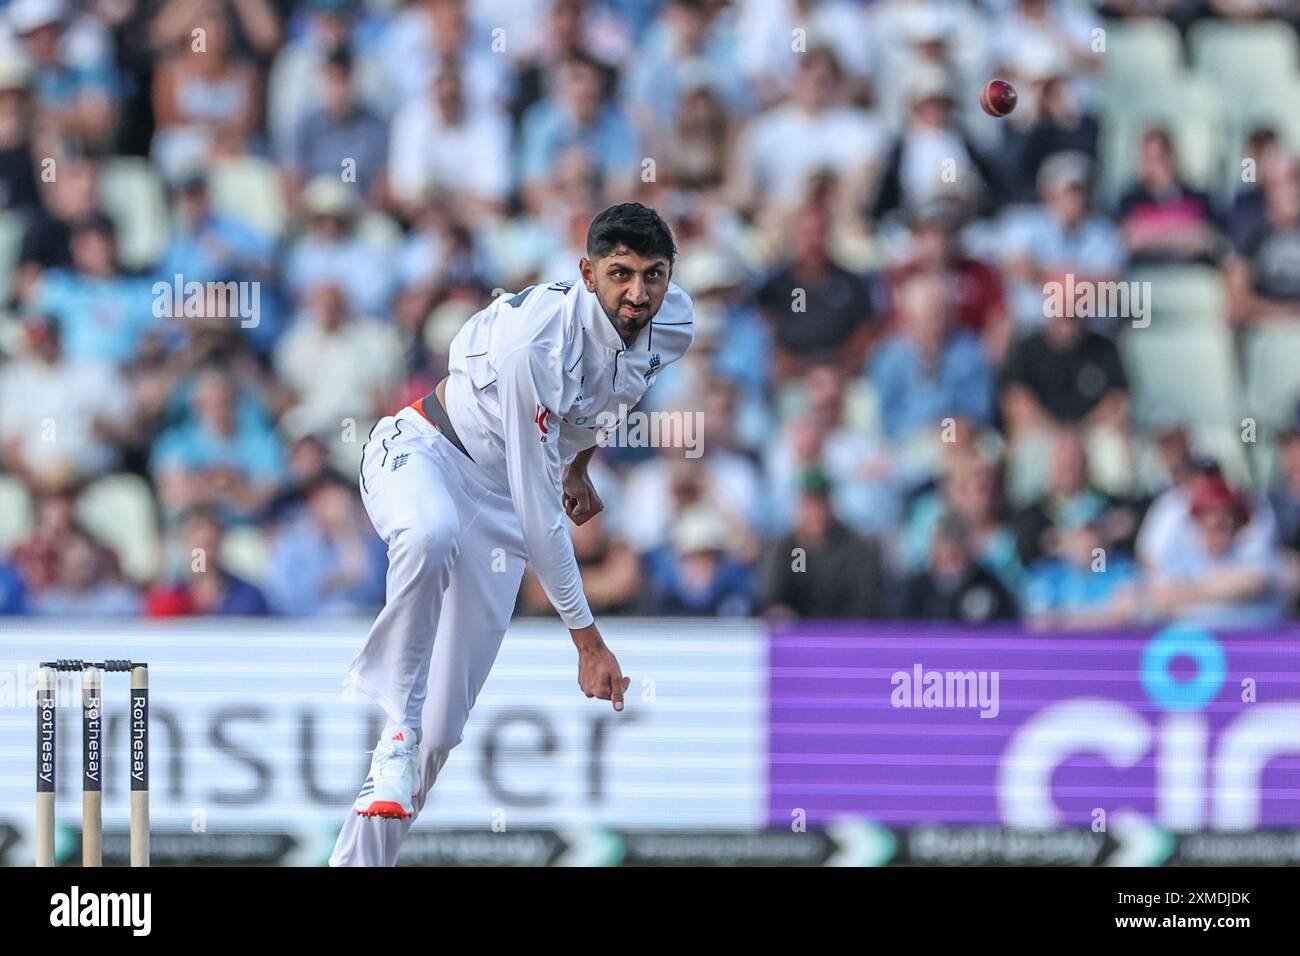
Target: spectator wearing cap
(932,151)
(204,586)
(206,101)
(1168,527)
(974,287)
(85,585)
(340,134)
(102,313)
(1079,582)
(1164,220)
(75,84)
(813,131)
(438,143)
(727,484)
(18,188)
(1225,574)
(1061,236)
(62,422)
(927,371)
(1263,281)
(695,575)
(819,311)
(331,250)
(577,114)
(954,586)
(326,560)
(221,459)
(822,568)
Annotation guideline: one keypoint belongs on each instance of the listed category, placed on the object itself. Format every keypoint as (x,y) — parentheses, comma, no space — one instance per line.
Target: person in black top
(955,587)
(1064,374)
(819,311)
(822,569)
(1165,220)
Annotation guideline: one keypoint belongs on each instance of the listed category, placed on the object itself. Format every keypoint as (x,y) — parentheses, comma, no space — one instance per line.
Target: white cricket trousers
(455,560)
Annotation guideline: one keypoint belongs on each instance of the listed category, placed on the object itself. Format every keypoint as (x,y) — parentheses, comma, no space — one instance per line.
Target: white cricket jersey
(535,377)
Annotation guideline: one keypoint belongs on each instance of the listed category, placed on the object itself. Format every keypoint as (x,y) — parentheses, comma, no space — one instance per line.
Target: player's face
(630,287)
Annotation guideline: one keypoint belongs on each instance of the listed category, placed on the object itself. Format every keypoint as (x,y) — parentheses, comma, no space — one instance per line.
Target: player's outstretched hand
(598,672)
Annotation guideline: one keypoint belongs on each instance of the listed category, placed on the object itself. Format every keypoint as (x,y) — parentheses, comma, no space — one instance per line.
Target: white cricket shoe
(394,778)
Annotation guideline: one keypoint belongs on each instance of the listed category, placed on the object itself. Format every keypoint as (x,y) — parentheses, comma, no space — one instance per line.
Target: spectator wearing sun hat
(1224,576)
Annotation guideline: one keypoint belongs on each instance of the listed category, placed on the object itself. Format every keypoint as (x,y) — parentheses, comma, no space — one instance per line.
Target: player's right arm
(528,388)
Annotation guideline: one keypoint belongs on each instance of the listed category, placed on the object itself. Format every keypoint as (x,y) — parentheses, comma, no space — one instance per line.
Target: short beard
(627,326)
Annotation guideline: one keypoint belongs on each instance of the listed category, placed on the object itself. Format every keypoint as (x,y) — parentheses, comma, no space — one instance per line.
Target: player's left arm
(581,502)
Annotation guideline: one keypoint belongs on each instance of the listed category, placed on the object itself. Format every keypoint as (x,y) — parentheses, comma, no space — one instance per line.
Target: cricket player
(476,478)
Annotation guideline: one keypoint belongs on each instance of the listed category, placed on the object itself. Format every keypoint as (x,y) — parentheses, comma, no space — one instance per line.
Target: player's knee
(434,535)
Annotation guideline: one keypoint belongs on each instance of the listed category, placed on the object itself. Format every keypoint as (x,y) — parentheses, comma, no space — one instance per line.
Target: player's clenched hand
(581,502)
(598,672)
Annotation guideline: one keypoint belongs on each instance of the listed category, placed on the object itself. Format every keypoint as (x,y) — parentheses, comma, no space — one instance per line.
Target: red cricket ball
(998,98)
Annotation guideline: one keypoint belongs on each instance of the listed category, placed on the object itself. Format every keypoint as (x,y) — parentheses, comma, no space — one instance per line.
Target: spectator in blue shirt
(102,313)
(221,459)
(210,246)
(13,596)
(1083,583)
(326,560)
(927,371)
(695,575)
(577,115)
(75,82)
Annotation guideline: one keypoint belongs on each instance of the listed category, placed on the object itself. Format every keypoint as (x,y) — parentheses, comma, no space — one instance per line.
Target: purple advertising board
(1188,728)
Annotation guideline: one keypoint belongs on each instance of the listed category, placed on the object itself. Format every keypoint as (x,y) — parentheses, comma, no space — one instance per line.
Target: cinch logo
(540,419)
(102,909)
(1200,780)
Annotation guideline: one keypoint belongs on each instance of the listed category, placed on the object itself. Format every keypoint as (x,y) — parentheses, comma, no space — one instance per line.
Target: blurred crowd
(892,424)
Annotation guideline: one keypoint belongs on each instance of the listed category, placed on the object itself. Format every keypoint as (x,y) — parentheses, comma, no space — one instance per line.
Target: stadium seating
(1189,374)
(248,188)
(133,195)
(1185,297)
(119,510)
(1243,58)
(1272,364)
(1140,52)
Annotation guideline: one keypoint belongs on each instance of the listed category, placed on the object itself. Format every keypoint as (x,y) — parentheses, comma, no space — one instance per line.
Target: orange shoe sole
(387,809)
